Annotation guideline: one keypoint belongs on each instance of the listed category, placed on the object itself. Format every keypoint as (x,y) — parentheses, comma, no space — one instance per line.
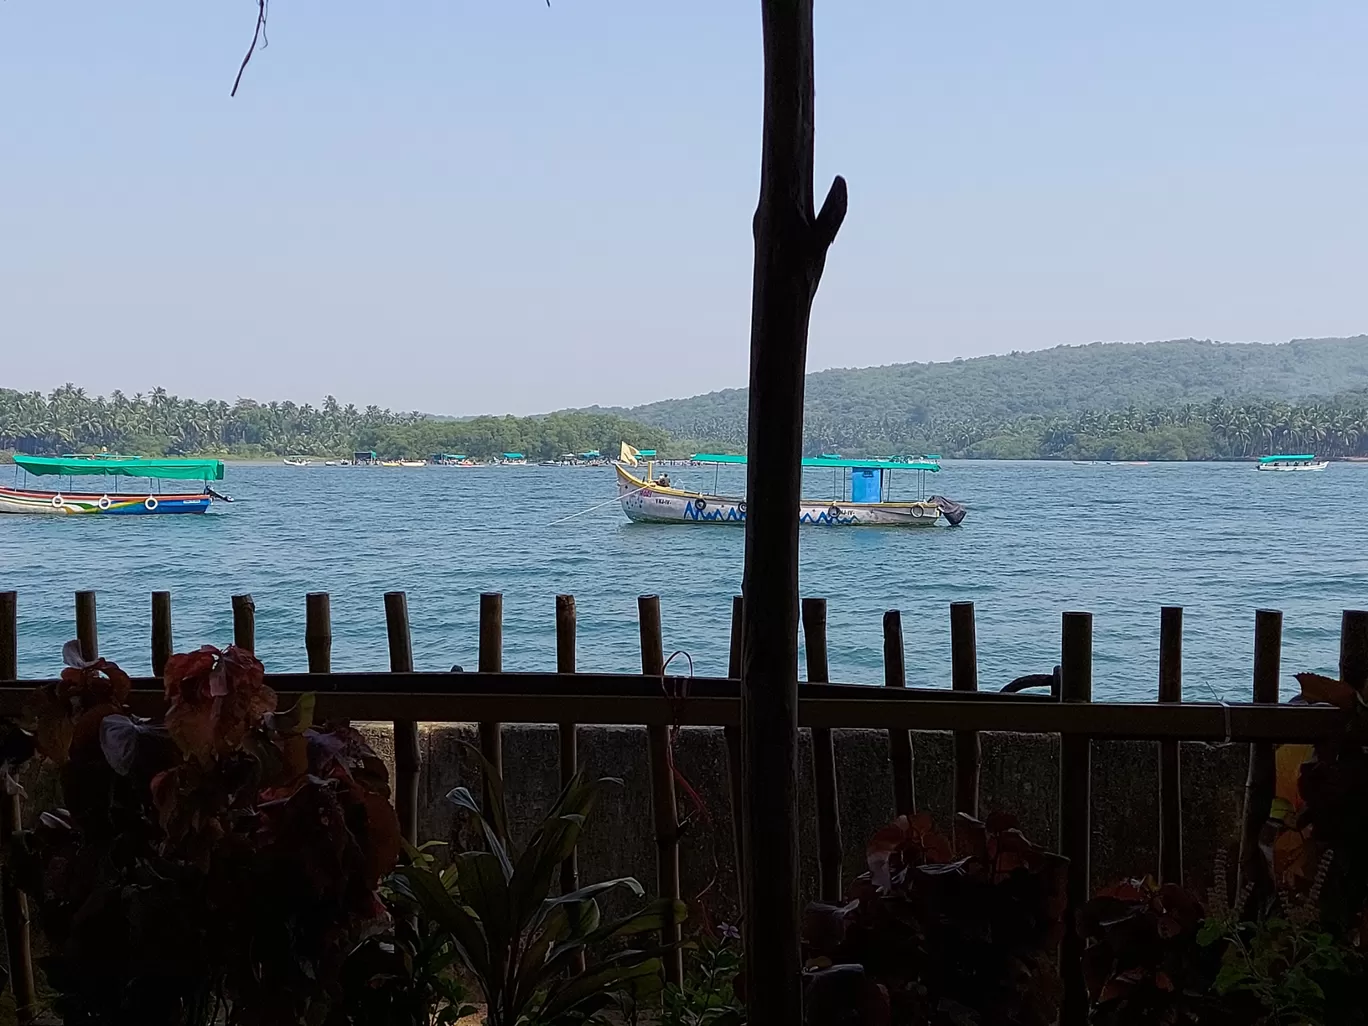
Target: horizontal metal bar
(1101,720)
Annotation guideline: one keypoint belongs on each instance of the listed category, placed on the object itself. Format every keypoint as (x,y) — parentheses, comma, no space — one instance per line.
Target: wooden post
(406,758)
(1261,783)
(791,242)
(964,677)
(1353,660)
(491,661)
(161,631)
(732,737)
(13,903)
(1075,819)
(568,732)
(899,740)
(86,632)
(244,622)
(318,631)
(663,807)
(823,758)
(1170,779)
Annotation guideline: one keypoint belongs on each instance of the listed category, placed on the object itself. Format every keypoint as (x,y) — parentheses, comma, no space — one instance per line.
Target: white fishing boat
(861,494)
(1302,462)
(297,461)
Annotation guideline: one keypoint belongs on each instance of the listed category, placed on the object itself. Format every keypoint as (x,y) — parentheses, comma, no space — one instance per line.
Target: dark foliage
(224,861)
(963,935)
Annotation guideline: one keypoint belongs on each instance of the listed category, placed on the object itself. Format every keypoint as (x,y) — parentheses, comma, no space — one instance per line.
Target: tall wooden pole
(13,904)
(791,241)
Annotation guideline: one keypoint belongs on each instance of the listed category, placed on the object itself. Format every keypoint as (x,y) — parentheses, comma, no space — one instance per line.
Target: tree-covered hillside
(904,405)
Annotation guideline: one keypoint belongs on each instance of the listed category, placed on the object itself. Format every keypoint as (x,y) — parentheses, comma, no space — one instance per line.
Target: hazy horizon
(491,208)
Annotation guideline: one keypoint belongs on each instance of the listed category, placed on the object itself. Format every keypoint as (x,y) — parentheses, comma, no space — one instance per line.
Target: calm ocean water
(1040,538)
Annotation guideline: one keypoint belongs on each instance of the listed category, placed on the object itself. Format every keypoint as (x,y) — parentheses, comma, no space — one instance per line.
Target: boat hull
(14,500)
(1291,468)
(643,502)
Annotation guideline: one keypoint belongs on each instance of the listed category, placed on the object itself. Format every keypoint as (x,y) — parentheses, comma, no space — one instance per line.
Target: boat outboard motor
(950,509)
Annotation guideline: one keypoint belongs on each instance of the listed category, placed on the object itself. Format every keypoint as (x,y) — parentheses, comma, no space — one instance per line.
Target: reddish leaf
(49,719)
(383,841)
(1317,688)
(215,699)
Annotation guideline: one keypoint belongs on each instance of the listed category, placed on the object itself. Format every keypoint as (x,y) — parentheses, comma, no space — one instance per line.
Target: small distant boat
(336,463)
(23,500)
(512,459)
(863,487)
(297,461)
(1302,462)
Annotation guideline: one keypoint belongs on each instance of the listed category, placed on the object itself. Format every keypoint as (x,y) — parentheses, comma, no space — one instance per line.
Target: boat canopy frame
(108,465)
(843,469)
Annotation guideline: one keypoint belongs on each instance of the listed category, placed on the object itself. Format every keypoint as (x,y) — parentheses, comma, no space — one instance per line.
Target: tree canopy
(157,423)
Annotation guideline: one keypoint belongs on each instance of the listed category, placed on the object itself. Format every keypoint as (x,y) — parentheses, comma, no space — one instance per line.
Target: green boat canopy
(122,466)
(1279,459)
(834,462)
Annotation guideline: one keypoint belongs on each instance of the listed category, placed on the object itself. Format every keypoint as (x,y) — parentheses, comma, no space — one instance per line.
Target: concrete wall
(1020,775)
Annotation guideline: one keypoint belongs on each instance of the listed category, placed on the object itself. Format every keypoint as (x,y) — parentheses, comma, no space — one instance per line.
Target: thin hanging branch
(258,40)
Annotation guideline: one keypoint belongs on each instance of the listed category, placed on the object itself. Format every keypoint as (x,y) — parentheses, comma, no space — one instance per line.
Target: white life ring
(104,502)
(917,512)
(57,501)
(150,503)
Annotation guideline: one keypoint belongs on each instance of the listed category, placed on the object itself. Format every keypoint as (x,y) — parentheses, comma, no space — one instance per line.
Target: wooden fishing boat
(861,494)
(114,502)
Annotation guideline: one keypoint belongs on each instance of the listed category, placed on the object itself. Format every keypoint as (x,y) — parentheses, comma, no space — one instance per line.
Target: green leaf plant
(516,941)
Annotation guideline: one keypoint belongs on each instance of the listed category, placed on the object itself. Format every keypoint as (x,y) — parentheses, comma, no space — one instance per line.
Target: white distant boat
(1302,462)
(298,461)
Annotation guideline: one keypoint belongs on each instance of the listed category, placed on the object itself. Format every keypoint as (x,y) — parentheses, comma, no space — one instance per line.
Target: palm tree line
(157,423)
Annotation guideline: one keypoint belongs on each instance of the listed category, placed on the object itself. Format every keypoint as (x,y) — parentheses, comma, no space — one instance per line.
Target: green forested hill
(905,405)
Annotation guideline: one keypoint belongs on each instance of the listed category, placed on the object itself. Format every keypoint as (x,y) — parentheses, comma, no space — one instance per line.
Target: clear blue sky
(489,205)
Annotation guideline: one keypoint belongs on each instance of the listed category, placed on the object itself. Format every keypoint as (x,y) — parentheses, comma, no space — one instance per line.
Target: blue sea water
(1040,538)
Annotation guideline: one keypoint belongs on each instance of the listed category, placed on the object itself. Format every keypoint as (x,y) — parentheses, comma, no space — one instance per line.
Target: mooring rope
(605,502)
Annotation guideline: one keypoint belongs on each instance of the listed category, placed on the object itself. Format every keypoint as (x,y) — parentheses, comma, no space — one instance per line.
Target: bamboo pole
(162,643)
(1075,821)
(318,634)
(964,679)
(615,699)
(1261,781)
(899,738)
(86,631)
(13,903)
(491,661)
(663,806)
(244,622)
(823,758)
(1170,778)
(732,736)
(407,763)
(567,731)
